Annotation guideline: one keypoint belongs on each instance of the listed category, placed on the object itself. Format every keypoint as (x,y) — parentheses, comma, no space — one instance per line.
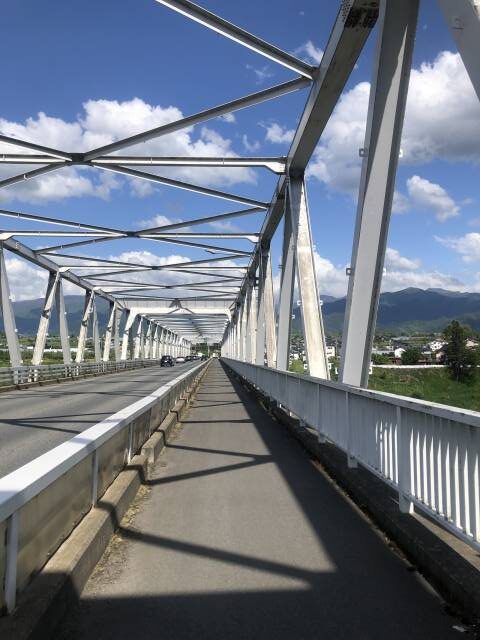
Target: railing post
(404,455)
(94,477)
(11,562)
(351,460)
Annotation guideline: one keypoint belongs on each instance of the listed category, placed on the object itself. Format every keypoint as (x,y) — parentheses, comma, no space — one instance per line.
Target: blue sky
(97,71)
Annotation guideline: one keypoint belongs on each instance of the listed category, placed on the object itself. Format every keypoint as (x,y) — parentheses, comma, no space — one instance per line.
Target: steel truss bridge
(429,454)
(233,301)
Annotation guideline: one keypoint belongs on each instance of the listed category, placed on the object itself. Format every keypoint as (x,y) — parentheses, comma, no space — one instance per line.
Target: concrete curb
(48,598)
(449,564)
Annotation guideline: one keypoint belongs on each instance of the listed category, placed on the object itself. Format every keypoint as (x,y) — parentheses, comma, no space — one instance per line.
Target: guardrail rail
(13,376)
(428,452)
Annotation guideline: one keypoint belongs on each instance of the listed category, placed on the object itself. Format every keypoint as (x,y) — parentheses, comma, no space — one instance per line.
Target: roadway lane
(34,420)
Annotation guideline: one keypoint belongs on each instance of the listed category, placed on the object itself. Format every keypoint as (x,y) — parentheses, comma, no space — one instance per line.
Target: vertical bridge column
(266,332)
(313,331)
(8,315)
(42,332)
(127,330)
(96,332)
(250,323)
(386,111)
(63,323)
(82,335)
(138,339)
(297,256)
(109,331)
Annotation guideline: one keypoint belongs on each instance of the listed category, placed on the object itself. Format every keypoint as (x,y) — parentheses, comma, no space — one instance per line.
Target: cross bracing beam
(21,215)
(208,114)
(276,165)
(205,220)
(246,39)
(179,184)
(27,175)
(353,25)
(35,147)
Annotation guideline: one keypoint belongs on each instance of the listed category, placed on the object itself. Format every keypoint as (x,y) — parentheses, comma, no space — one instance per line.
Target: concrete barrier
(42,502)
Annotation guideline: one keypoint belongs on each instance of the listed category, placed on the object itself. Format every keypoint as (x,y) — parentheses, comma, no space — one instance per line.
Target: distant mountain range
(27,315)
(409,310)
(403,311)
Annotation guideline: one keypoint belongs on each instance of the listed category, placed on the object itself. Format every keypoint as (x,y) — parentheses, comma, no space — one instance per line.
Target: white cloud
(262,73)
(278,134)
(400,273)
(309,51)
(393,260)
(438,124)
(228,117)
(26,281)
(401,203)
(250,146)
(429,195)
(468,246)
(103,122)
(157,221)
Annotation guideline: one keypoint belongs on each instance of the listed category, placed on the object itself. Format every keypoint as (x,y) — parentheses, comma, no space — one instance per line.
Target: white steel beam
(8,314)
(36,147)
(246,39)
(179,184)
(96,332)
(287,284)
(63,323)
(276,165)
(42,332)
(208,114)
(386,110)
(313,331)
(82,336)
(109,331)
(463,18)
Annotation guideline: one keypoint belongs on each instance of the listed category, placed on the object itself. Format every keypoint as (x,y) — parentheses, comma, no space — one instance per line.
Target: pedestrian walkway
(240,536)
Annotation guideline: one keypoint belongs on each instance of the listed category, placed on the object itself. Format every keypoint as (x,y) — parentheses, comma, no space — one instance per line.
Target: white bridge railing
(44,372)
(428,452)
(43,501)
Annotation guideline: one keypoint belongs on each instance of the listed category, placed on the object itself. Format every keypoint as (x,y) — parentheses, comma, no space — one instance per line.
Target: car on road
(180,359)
(167,361)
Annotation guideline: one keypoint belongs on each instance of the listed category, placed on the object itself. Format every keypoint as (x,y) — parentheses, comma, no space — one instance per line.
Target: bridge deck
(239,535)
(33,421)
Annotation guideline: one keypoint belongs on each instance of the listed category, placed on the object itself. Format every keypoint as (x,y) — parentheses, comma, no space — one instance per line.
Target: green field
(434,385)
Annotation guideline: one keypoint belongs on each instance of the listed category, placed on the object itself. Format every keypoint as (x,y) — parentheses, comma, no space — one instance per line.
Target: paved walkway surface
(240,536)
(33,421)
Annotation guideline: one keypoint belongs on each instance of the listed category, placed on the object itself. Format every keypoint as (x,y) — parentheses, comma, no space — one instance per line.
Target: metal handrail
(428,452)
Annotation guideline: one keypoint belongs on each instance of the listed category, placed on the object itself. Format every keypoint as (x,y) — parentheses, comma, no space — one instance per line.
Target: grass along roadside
(435,385)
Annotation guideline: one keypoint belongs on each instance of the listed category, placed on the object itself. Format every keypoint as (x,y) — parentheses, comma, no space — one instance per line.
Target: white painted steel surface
(429,452)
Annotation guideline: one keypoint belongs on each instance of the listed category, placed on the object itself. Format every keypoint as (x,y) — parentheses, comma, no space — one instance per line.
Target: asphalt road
(34,420)
(240,536)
